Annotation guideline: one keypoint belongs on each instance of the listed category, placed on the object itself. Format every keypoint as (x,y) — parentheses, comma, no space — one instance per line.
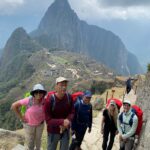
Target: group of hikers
(65,118)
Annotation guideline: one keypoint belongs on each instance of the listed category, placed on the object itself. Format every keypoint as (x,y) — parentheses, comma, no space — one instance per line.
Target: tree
(148,67)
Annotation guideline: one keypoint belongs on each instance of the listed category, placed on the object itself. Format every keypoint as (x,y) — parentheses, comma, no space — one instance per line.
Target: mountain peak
(61,28)
(58,13)
(19,41)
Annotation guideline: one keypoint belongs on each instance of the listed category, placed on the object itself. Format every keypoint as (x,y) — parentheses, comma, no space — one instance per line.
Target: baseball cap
(112,102)
(61,79)
(127,102)
(87,93)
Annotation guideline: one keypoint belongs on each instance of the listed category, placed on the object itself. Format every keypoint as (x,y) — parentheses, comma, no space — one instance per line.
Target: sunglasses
(38,92)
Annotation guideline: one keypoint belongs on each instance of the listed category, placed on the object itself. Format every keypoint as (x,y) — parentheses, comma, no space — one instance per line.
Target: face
(86,100)
(112,107)
(61,87)
(126,107)
(38,94)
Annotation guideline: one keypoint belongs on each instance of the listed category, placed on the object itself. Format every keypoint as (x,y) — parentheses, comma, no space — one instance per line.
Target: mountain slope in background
(1,52)
(61,28)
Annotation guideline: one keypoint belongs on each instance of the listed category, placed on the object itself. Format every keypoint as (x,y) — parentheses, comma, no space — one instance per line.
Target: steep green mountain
(61,28)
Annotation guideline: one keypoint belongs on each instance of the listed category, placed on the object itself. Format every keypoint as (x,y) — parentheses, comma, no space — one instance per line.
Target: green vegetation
(148,68)
(60,60)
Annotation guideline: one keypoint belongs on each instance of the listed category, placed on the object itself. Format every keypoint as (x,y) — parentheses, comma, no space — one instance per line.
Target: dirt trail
(93,141)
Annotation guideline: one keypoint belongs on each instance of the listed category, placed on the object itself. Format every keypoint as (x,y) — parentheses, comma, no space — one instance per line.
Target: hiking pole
(106,96)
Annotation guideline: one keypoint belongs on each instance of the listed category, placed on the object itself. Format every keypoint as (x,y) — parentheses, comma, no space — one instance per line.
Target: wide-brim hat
(38,87)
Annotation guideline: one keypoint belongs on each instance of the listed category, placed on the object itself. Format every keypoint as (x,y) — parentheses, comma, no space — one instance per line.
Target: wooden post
(113,91)
(123,97)
(135,89)
(106,96)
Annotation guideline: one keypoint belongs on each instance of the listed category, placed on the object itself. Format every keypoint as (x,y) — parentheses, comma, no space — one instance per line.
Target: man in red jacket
(59,112)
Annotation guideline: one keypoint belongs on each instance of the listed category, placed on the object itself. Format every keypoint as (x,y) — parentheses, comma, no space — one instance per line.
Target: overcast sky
(130,19)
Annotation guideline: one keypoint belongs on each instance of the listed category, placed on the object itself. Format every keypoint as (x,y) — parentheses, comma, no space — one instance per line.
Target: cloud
(104,9)
(90,10)
(9,6)
(124,3)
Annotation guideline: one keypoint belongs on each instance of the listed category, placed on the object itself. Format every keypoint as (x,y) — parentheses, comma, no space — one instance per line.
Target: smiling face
(86,100)
(61,87)
(126,107)
(38,94)
(112,107)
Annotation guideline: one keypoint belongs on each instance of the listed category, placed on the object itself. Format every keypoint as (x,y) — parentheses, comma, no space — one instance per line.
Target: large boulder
(9,139)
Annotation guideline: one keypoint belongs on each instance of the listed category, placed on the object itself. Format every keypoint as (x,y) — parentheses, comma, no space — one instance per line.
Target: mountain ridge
(63,29)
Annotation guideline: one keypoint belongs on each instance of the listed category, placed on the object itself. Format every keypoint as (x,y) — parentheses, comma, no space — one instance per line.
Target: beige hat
(127,102)
(61,79)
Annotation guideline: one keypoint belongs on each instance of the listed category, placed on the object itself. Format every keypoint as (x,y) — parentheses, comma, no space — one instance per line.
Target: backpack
(138,111)
(23,107)
(77,95)
(117,101)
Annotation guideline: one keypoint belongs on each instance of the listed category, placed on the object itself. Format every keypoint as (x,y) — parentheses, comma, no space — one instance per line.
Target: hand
(89,131)
(62,129)
(120,137)
(73,132)
(66,123)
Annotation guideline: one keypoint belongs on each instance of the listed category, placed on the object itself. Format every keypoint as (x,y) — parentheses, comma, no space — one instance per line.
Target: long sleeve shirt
(124,128)
(55,116)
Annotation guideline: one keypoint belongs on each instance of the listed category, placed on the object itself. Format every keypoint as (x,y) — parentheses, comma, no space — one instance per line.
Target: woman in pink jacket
(33,119)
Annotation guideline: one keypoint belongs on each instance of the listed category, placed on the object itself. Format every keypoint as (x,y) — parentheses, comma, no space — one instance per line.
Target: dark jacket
(83,116)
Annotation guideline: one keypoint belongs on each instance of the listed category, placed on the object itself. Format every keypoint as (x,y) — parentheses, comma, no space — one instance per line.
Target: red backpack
(76,95)
(138,111)
(117,101)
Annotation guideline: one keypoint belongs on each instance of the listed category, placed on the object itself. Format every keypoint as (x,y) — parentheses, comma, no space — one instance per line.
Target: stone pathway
(93,140)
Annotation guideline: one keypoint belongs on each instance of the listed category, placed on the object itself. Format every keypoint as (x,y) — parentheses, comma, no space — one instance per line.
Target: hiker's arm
(91,118)
(15,107)
(133,128)
(119,126)
(48,117)
(102,124)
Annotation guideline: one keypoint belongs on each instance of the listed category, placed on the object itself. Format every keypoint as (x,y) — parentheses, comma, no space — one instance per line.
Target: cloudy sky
(130,19)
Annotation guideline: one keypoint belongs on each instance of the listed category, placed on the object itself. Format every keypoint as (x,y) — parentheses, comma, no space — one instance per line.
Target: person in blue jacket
(82,120)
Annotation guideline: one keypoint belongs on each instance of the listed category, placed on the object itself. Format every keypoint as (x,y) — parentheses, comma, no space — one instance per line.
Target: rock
(97,102)
(19,147)
(9,139)
(143,100)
